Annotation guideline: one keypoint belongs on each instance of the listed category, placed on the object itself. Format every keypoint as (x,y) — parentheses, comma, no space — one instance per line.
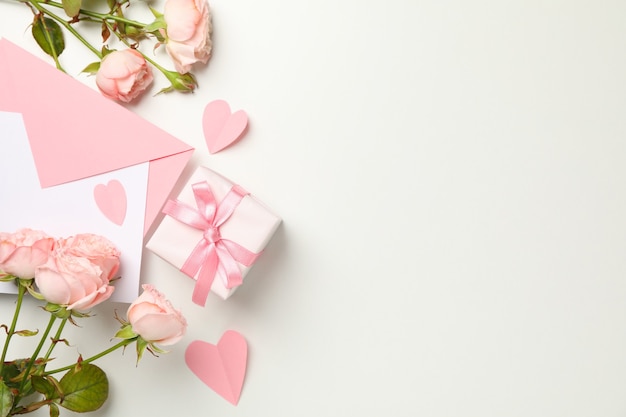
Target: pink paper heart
(221,367)
(221,128)
(111,200)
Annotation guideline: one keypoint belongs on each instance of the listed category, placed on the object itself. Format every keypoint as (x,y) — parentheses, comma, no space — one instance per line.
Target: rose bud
(152,317)
(123,75)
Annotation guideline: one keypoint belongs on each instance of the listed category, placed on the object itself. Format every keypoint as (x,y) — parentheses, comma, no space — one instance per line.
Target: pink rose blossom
(123,75)
(153,318)
(97,249)
(23,251)
(78,272)
(188,32)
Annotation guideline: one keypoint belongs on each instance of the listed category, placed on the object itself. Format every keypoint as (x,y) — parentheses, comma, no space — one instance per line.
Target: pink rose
(153,318)
(78,272)
(123,75)
(97,249)
(188,32)
(23,251)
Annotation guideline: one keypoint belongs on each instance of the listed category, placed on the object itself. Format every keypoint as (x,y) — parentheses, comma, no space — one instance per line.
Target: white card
(69,209)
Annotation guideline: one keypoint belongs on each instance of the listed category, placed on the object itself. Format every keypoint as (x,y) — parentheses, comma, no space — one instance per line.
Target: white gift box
(251,225)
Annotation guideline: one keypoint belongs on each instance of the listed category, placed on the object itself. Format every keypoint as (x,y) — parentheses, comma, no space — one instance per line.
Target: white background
(452,182)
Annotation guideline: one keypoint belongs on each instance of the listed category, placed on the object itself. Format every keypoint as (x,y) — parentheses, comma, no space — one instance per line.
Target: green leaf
(156,13)
(106,51)
(54,410)
(58,310)
(156,25)
(6,400)
(160,38)
(126,332)
(85,389)
(157,28)
(92,68)
(141,347)
(10,370)
(27,332)
(34,293)
(13,372)
(48,35)
(6,277)
(71,7)
(46,386)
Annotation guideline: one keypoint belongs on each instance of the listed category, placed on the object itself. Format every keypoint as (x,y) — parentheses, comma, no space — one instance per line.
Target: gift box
(213,232)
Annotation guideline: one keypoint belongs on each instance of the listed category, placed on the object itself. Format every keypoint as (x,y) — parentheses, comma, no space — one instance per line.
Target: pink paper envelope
(75,133)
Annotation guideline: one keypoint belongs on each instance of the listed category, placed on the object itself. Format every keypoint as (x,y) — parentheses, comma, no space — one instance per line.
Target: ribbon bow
(213,254)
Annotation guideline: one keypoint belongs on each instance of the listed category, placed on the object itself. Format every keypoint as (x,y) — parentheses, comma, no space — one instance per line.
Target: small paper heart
(221,367)
(111,200)
(221,128)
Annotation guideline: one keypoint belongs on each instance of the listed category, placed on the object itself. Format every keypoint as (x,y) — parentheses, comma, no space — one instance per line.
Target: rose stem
(20,296)
(32,360)
(94,357)
(101,16)
(56,338)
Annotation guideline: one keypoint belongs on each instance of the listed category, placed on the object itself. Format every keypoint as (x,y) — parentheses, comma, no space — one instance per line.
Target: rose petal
(52,285)
(165,329)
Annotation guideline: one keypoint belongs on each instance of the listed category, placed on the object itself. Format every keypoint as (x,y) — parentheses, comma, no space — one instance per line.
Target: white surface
(452,182)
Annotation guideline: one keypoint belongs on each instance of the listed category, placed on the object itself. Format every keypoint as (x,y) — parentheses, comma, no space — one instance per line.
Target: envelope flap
(74,132)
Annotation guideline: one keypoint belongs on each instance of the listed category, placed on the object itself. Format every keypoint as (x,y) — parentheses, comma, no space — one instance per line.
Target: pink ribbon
(213,254)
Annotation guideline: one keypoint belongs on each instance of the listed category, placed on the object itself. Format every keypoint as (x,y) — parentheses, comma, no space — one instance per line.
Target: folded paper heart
(111,200)
(221,128)
(221,367)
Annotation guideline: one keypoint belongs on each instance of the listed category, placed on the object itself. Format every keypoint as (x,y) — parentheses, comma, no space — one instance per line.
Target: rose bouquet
(70,276)
(184,28)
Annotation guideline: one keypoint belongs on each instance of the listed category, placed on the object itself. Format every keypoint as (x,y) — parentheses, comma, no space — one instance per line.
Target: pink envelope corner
(75,132)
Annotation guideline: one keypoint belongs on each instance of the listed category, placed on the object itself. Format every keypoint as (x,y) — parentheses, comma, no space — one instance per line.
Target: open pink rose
(188,32)
(97,249)
(78,272)
(23,251)
(123,75)
(153,318)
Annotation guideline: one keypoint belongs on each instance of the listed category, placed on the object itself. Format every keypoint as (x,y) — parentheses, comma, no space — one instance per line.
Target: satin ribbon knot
(213,255)
(212,235)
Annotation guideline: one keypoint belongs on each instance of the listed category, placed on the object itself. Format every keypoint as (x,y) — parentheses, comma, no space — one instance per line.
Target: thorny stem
(123,343)
(33,358)
(20,296)
(56,338)
(99,16)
